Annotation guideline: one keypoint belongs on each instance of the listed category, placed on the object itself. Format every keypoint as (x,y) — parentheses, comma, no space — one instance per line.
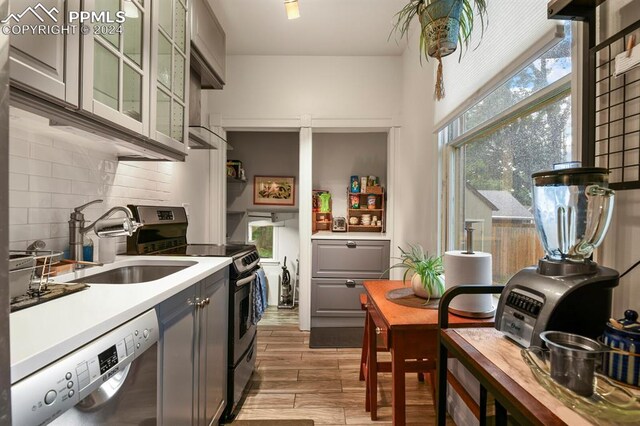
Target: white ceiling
(325,27)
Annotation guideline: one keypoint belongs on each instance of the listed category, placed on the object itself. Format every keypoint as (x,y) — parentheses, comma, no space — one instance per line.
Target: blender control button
(135,332)
(71,393)
(50,397)
(70,385)
(137,345)
(145,333)
(67,376)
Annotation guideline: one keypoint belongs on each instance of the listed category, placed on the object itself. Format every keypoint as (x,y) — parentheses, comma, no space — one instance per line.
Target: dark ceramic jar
(623,364)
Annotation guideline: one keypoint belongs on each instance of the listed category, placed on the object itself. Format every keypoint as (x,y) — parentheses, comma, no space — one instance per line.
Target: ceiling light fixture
(293,11)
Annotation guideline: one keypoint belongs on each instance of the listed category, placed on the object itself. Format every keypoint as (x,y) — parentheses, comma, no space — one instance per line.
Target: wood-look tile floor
(292,381)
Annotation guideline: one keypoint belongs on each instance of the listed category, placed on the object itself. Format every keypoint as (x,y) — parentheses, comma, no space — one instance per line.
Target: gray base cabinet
(193,353)
(339,269)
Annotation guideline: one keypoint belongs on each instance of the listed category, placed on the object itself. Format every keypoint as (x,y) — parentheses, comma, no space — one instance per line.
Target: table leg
(501,415)
(441,397)
(398,387)
(483,406)
(371,403)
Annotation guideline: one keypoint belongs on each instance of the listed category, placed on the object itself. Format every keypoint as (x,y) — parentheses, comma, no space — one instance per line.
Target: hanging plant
(444,24)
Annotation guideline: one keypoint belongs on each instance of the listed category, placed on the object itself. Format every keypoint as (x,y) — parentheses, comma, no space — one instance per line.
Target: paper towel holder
(468,227)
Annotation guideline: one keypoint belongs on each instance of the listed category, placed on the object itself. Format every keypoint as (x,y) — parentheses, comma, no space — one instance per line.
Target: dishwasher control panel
(44,395)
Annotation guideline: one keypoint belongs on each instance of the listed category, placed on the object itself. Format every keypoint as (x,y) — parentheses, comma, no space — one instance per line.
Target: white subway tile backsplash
(29,232)
(18,216)
(29,166)
(29,199)
(49,177)
(19,148)
(87,188)
(49,153)
(48,215)
(48,184)
(18,182)
(70,172)
(68,200)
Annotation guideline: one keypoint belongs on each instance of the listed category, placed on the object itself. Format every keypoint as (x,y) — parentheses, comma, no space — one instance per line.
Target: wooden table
(409,333)
(496,362)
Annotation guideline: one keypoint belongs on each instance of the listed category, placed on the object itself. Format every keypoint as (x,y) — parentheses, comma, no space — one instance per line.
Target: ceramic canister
(624,364)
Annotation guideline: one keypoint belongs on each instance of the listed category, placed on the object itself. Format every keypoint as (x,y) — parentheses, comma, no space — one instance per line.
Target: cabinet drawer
(336,298)
(350,259)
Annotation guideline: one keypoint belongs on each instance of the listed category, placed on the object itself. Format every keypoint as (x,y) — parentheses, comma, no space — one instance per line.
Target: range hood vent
(201,135)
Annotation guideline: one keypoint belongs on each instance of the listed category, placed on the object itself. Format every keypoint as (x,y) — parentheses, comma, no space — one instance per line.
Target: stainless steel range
(165,233)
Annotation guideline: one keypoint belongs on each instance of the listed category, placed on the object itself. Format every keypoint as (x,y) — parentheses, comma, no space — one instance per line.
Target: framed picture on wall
(274,190)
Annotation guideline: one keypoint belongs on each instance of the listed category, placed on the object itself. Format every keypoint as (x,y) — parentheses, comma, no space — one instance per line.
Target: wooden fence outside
(515,245)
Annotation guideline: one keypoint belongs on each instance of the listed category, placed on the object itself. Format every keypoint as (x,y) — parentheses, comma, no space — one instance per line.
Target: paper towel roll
(469,269)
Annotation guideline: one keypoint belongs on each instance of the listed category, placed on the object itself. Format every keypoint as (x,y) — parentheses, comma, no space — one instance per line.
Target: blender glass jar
(572,210)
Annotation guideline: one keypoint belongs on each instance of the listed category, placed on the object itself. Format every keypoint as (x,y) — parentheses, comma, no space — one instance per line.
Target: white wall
(338,156)
(276,87)
(50,175)
(416,166)
(266,154)
(621,247)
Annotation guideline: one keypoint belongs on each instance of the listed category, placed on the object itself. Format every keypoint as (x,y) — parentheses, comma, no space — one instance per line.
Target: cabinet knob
(350,283)
(207,301)
(378,331)
(352,244)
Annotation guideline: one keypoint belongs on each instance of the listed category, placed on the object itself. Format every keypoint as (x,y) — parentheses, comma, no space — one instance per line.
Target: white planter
(420,291)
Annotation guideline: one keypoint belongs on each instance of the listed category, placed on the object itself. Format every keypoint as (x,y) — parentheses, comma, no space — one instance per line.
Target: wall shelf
(378,211)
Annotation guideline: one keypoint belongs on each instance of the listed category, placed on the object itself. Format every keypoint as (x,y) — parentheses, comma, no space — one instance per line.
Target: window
(263,235)
(523,126)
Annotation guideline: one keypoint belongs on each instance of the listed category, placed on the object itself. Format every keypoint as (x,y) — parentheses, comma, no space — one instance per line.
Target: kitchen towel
(259,296)
(468,269)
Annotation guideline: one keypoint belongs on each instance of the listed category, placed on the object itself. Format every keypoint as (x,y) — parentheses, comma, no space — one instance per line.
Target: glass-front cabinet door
(116,62)
(170,64)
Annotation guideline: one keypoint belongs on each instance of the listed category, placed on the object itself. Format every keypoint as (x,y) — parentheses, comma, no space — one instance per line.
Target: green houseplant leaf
(438,28)
(429,268)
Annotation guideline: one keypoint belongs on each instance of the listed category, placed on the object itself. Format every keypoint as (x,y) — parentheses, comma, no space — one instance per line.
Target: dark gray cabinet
(193,353)
(350,258)
(339,269)
(46,64)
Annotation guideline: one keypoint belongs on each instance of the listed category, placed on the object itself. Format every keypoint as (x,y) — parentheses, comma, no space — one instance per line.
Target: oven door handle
(246,280)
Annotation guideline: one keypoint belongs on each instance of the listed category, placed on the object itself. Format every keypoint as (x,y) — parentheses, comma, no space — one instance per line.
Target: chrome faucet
(77,228)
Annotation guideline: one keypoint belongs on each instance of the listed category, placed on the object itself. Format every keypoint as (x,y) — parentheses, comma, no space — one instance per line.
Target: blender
(566,291)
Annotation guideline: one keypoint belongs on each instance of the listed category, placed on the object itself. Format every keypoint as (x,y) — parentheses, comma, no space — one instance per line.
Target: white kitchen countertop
(328,235)
(42,334)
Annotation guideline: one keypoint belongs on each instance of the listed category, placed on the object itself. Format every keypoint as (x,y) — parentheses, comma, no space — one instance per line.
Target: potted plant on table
(444,24)
(427,278)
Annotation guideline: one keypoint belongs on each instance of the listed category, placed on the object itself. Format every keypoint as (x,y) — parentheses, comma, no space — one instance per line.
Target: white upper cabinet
(170,49)
(46,65)
(116,71)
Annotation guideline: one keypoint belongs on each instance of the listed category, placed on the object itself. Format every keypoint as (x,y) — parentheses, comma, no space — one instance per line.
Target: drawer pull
(350,283)
(378,331)
(352,244)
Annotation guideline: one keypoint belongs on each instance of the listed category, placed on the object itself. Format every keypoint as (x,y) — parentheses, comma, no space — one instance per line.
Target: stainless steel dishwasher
(109,381)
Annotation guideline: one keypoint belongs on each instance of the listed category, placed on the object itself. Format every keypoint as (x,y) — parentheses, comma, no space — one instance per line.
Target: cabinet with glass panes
(135,73)
(116,65)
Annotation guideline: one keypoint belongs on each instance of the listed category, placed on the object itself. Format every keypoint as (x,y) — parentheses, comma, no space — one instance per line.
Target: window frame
(451,137)
(262,222)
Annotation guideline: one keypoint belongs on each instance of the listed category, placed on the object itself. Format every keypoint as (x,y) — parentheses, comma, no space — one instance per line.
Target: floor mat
(272,423)
(336,337)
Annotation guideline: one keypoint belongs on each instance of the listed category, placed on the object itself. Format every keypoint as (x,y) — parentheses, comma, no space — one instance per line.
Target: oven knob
(145,333)
(50,397)
(67,376)
(70,385)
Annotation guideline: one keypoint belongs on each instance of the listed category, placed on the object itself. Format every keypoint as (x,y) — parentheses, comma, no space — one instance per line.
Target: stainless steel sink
(133,274)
